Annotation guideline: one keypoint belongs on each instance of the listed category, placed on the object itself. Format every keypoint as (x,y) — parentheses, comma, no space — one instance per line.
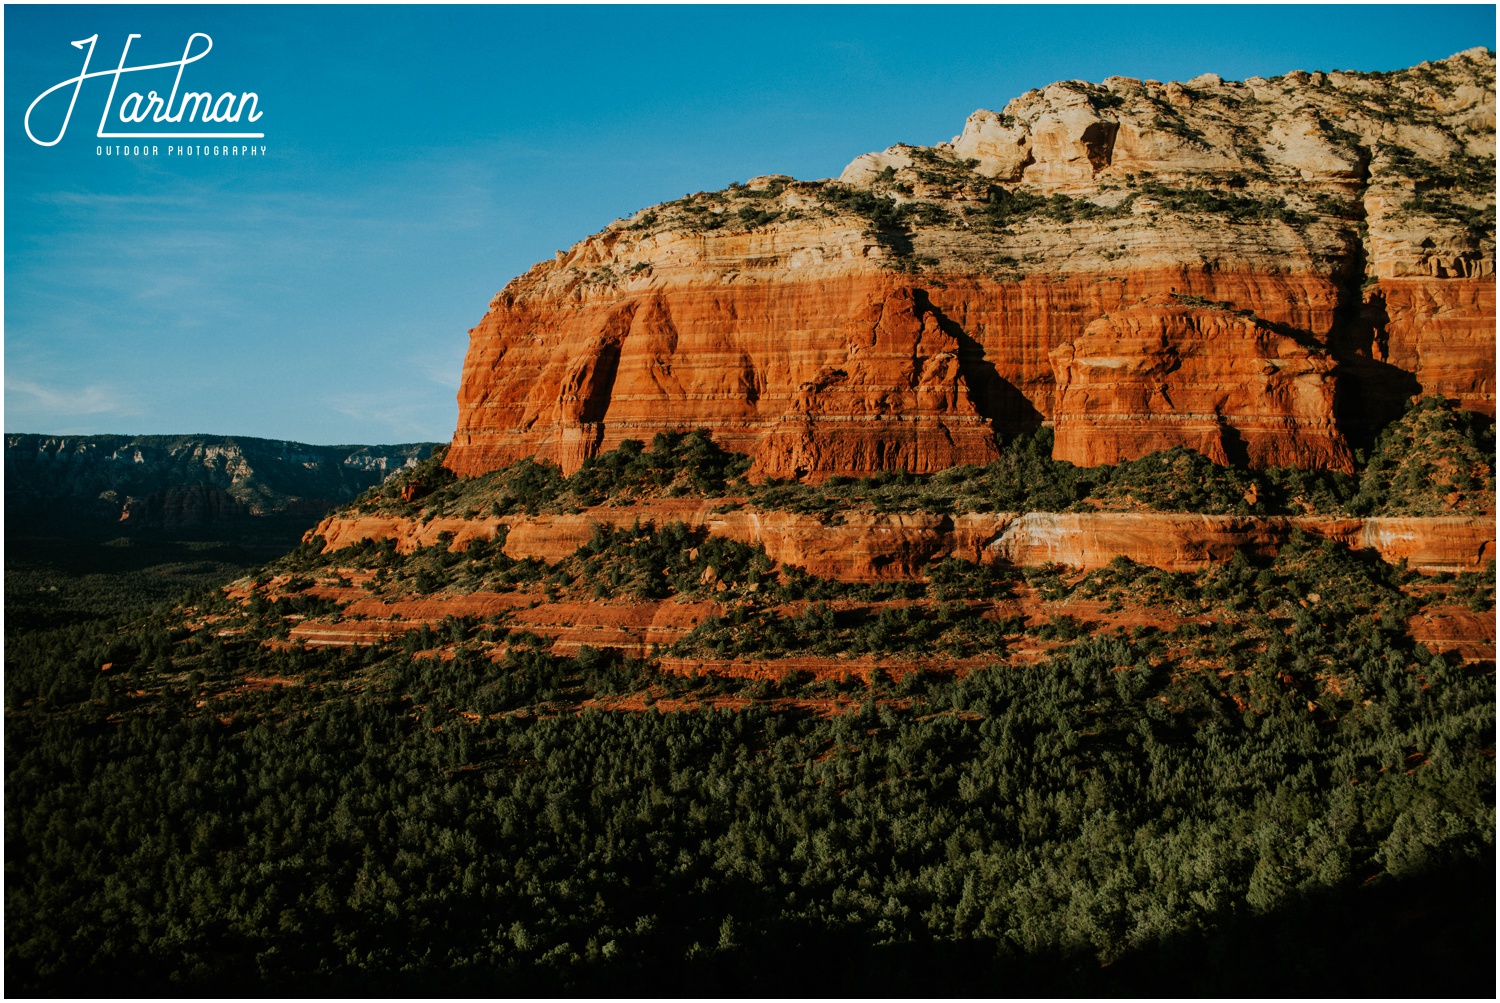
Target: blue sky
(419,158)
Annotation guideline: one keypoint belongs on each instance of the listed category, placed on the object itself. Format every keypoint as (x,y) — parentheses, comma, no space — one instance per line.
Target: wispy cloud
(33,398)
(398,415)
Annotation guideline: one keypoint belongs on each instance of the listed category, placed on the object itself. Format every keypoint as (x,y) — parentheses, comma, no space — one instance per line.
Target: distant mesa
(1262,270)
(184,482)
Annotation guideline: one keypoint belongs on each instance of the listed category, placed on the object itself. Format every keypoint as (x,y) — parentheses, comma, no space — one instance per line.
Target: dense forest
(1282,792)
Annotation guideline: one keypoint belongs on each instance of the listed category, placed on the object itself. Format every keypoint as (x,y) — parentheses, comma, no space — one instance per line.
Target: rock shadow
(998,400)
(601,385)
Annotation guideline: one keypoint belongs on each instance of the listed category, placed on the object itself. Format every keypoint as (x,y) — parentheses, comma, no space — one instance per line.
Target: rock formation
(1263,270)
(181,481)
(183,507)
(1153,376)
(899,546)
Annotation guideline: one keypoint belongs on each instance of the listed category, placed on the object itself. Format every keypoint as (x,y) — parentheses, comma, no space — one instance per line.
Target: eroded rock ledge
(870,547)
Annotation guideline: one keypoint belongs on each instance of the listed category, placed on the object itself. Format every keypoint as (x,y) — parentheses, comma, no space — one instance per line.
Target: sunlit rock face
(1261,270)
(1151,377)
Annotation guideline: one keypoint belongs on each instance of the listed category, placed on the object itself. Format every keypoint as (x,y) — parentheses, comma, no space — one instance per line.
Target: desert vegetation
(194,804)
(1437,459)
(1264,758)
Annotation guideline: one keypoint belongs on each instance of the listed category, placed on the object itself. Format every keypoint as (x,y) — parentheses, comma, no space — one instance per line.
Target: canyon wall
(1264,271)
(1150,377)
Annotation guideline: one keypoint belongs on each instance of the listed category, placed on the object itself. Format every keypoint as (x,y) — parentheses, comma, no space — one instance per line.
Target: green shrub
(1438,459)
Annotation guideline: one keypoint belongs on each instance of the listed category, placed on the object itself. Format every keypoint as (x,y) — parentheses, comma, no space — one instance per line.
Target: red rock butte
(1262,270)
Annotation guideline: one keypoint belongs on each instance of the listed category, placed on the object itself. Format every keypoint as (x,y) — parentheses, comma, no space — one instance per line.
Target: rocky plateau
(1261,270)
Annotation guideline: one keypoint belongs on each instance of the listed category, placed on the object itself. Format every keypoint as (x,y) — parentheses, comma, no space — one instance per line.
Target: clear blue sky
(419,158)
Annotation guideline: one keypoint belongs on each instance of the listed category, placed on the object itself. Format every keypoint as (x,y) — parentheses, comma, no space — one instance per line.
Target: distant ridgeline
(177,482)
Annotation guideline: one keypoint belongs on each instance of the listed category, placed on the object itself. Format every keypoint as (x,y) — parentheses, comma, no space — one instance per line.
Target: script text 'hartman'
(176,108)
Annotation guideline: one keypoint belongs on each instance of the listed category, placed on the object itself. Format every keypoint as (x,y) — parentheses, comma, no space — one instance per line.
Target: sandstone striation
(1153,376)
(896,547)
(1283,262)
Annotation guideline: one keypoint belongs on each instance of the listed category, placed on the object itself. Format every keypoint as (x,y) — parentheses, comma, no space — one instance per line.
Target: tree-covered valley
(1273,775)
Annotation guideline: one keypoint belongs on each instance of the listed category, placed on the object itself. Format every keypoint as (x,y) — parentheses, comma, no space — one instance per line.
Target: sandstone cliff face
(870,547)
(1150,377)
(1337,229)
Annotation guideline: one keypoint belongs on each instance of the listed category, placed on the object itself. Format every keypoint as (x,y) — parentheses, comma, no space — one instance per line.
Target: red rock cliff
(1211,264)
(898,547)
(1150,377)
